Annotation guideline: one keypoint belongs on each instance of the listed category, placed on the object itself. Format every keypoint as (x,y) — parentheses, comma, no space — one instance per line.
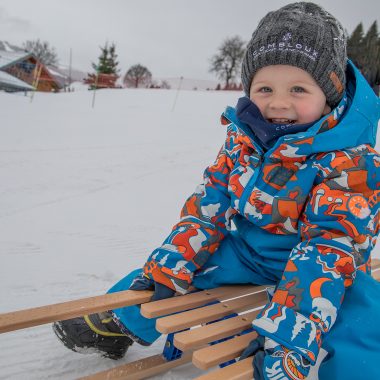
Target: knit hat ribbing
(302,35)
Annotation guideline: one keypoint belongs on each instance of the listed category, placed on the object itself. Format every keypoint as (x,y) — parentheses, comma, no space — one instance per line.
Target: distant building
(101,81)
(10,83)
(27,69)
(22,71)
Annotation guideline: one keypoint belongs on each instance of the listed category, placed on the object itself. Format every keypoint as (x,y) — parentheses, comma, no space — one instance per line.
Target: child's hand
(143,282)
(256,347)
(274,360)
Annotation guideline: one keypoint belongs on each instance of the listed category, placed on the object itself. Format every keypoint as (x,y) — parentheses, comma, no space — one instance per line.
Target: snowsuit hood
(358,113)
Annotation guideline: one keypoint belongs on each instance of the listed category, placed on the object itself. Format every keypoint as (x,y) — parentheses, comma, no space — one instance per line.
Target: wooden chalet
(28,69)
(101,80)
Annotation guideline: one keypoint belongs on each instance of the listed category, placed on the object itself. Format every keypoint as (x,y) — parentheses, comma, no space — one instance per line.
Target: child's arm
(338,230)
(205,219)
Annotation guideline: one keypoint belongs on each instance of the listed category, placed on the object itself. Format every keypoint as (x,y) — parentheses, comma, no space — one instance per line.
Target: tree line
(362,48)
(106,71)
(364,51)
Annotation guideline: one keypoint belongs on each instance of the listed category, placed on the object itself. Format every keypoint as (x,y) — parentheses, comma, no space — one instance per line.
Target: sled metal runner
(217,324)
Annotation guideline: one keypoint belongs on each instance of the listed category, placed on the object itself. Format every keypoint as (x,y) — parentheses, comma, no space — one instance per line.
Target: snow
(8,56)
(6,46)
(54,71)
(86,194)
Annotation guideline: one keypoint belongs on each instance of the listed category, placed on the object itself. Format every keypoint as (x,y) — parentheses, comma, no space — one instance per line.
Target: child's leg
(233,263)
(109,333)
(141,329)
(354,341)
(225,267)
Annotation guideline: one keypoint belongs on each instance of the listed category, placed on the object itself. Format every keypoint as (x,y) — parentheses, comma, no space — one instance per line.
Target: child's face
(287,94)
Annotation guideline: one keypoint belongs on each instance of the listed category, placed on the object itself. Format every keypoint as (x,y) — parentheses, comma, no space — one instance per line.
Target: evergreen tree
(107,63)
(371,59)
(112,59)
(355,45)
(106,71)
(364,51)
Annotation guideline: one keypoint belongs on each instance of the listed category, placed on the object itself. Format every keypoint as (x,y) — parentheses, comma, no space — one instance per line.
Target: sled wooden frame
(209,328)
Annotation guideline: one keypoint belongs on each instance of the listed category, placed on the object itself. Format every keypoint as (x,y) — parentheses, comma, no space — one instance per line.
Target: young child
(291,200)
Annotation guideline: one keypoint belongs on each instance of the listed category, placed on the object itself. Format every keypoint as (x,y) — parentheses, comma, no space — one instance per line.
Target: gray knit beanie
(302,35)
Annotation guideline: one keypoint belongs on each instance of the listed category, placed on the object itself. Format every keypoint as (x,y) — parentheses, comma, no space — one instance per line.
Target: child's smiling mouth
(281,121)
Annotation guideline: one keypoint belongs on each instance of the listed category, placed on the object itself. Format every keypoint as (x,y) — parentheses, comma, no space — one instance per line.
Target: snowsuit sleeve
(338,230)
(205,220)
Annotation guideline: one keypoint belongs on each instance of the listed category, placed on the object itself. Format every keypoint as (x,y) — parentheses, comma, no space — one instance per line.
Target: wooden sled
(208,328)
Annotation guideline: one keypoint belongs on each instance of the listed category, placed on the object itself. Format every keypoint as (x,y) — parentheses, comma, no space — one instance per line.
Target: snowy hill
(188,83)
(87,193)
(6,46)
(75,74)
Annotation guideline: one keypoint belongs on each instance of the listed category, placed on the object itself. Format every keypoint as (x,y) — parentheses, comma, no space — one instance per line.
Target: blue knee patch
(228,265)
(354,341)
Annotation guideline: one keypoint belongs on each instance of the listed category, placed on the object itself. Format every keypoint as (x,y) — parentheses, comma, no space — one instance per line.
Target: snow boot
(93,333)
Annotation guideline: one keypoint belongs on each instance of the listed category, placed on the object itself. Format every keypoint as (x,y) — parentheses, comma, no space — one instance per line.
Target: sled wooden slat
(375,265)
(238,371)
(44,314)
(193,300)
(210,313)
(207,357)
(376,269)
(140,369)
(211,356)
(210,333)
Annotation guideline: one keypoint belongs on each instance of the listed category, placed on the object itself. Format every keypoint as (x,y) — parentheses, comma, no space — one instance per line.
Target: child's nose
(279,102)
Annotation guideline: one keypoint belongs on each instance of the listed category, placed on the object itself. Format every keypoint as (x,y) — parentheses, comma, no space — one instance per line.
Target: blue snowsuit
(304,216)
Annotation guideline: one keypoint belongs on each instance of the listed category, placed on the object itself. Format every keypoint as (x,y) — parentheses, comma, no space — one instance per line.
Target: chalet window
(26,66)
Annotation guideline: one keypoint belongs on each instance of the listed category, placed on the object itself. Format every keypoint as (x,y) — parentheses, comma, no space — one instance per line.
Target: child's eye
(265,89)
(298,89)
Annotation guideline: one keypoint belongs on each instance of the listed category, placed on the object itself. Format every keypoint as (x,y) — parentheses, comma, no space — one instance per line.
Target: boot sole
(62,336)
(68,342)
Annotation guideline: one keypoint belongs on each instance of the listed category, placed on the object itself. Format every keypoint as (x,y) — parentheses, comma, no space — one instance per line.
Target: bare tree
(42,50)
(138,76)
(226,63)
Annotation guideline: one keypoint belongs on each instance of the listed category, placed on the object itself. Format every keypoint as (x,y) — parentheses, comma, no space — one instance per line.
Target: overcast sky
(171,37)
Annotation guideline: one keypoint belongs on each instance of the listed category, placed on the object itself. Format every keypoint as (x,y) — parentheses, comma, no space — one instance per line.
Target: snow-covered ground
(86,194)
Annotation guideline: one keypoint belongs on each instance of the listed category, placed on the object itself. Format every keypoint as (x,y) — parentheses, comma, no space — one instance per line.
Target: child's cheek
(308,113)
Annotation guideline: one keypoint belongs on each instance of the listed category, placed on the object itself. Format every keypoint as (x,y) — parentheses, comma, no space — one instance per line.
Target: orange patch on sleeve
(291,267)
(280,296)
